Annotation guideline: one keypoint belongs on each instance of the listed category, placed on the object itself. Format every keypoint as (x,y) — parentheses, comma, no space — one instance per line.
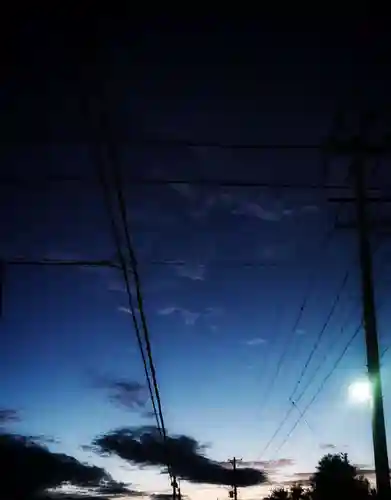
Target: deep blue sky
(220,322)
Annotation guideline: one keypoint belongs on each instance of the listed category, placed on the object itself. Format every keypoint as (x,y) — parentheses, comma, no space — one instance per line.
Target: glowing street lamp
(360,391)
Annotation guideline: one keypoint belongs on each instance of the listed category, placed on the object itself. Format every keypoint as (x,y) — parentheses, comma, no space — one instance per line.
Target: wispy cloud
(191,317)
(267,465)
(257,210)
(327,446)
(310,208)
(166,311)
(127,310)
(256,341)
(130,394)
(195,272)
(183,189)
(303,478)
(8,416)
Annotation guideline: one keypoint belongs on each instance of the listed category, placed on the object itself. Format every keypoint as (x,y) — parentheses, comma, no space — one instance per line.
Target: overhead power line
(152,377)
(380,146)
(320,389)
(337,127)
(325,380)
(41,181)
(321,333)
(292,402)
(324,243)
(124,267)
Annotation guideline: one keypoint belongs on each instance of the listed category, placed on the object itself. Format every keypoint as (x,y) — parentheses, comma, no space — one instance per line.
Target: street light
(360,391)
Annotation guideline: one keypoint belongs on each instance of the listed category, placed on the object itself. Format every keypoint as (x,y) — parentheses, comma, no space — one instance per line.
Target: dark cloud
(163,496)
(149,414)
(87,448)
(327,446)
(127,393)
(144,447)
(8,416)
(43,440)
(41,469)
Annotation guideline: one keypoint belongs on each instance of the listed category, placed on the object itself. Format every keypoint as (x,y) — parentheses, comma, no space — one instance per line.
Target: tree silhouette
(335,478)
(279,494)
(297,492)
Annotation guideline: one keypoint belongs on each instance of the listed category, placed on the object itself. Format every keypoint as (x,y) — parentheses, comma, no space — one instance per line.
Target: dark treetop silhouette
(335,478)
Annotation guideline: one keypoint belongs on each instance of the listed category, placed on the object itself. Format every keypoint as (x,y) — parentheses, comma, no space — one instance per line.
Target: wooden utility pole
(174,485)
(371,336)
(360,150)
(234,492)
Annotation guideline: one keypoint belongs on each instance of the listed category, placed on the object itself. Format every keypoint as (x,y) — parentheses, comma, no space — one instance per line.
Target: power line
(321,333)
(158,410)
(167,181)
(375,148)
(327,377)
(321,387)
(117,240)
(311,283)
(305,367)
(342,329)
(250,263)
(322,361)
(336,128)
(21,261)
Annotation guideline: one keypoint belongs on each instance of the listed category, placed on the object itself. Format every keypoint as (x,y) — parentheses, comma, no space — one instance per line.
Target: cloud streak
(126,393)
(195,272)
(8,416)
(327,446)
(145,447)
(258,211)
(256,341)
(267,465)
(189,317)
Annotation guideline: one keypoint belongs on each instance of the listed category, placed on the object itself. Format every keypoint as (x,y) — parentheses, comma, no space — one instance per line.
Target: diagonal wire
(322,361)
(287,346)
(324,243)
(326,378)
(321,333)
(321,387)
(124,268)
(337,127)
(140,302)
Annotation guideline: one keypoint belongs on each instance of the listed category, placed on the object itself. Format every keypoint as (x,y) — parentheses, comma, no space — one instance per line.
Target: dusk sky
(224,269)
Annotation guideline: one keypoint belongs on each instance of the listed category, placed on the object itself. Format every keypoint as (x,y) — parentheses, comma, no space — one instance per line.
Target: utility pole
(179,490)
(372,345)
(234,491)
(174,485)
(360,150)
